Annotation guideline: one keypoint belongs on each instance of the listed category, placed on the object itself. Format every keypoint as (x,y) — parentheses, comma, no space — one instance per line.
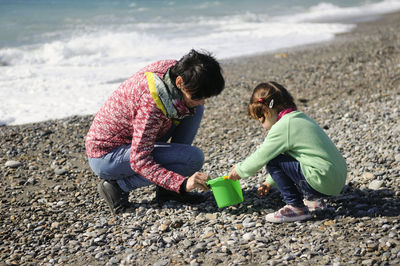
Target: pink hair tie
(271,103)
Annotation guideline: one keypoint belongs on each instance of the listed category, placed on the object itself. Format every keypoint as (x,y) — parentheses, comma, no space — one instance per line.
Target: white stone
(375,184)
(248,236)
(13,164)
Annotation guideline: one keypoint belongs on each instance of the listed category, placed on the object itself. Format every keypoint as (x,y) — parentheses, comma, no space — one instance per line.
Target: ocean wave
(328,12)
(149,41)
(73,69)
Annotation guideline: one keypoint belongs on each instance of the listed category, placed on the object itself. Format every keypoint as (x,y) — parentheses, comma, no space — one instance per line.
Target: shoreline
(51,213)
(361,27)
(279,53)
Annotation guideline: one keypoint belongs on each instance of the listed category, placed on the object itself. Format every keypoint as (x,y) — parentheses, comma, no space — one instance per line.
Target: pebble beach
(52,214)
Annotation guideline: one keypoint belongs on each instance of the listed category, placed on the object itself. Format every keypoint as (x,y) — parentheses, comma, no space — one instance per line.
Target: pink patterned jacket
(130,116)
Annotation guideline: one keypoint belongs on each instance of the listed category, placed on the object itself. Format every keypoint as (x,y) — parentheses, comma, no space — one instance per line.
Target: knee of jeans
(197,158)
(200,110)
(94,166)
(97,168)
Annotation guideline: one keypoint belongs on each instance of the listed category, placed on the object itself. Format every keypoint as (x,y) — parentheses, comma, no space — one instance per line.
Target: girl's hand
(197,180)
(263,189)
(234,175)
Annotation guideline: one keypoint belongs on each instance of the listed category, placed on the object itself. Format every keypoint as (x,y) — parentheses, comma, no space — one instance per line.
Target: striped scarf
(168,97)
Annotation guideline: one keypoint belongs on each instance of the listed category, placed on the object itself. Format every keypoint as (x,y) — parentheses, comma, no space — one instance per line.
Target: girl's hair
(201,74)
(269,96)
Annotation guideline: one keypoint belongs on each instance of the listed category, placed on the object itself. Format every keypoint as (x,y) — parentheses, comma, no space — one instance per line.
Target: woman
(127,142)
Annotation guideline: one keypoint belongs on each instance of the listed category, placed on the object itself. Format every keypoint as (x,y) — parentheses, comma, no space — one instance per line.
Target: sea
(60,58)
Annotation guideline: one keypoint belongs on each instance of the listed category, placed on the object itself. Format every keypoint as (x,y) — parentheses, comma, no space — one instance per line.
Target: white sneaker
(288,213)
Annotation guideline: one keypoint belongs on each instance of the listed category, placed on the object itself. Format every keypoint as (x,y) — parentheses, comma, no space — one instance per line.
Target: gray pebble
(60,171)
(52,213)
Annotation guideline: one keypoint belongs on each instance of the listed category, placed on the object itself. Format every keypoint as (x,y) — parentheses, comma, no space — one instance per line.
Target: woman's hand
(263,189)
(234,175)
(197,180)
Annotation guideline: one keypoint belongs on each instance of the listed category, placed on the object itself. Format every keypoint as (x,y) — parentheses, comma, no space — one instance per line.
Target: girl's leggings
(287,175)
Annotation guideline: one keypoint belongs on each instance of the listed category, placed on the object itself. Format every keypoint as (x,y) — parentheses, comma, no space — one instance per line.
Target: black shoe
(163,195)
(115,197)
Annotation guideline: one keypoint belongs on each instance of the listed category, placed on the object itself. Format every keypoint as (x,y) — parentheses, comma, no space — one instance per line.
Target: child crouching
(302,161)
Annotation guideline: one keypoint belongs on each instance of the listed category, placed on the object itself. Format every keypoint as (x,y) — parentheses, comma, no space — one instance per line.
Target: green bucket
(226,192)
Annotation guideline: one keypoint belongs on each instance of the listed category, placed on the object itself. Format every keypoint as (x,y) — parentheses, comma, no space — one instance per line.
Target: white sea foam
(74,74)
(327,12)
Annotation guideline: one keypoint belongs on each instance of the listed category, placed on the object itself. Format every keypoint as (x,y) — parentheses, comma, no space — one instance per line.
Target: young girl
(301,160)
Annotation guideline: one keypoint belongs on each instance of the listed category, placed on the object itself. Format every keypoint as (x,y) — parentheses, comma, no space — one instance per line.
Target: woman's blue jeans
(178,156)
(287,175)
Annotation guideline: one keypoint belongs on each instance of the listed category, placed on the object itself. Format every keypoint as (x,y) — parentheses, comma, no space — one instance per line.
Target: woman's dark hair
(263,94)
(201,74)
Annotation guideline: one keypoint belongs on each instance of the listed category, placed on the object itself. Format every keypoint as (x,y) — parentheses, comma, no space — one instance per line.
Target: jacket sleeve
(274,144)
(147,124)
(270,181)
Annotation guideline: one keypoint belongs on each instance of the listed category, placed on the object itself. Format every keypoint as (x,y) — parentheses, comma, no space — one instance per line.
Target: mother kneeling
(127,143)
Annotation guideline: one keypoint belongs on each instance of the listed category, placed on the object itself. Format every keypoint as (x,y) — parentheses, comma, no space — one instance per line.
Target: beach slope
(51,212)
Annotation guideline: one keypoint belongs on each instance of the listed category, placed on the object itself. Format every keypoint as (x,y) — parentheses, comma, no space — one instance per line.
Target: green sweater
(298,136)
